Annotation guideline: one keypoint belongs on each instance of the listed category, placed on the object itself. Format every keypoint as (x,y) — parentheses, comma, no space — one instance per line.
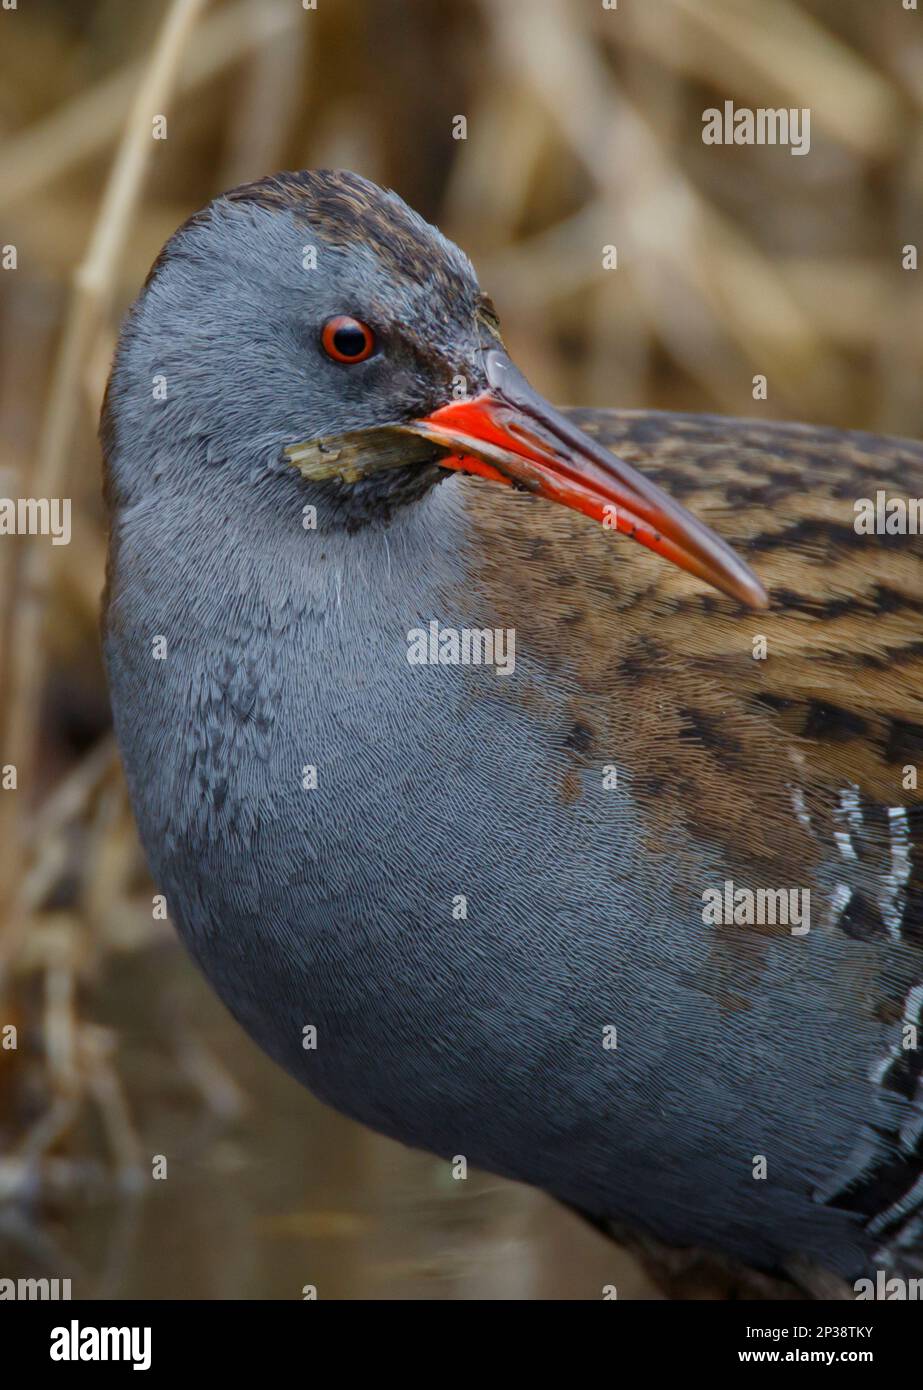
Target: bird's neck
(215,569)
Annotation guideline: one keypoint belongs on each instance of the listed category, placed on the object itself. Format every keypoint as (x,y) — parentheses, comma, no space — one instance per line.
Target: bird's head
(311,326)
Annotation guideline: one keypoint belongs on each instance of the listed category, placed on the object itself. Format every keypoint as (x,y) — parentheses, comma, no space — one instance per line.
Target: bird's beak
(510,434)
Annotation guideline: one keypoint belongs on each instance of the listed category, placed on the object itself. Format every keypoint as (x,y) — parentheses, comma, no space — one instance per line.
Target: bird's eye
(347,340)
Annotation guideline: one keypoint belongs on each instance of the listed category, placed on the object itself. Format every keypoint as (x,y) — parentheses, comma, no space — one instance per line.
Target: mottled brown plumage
(730,749)
(839,695)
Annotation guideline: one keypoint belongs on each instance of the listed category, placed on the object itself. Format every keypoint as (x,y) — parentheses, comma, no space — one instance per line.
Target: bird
(599,864)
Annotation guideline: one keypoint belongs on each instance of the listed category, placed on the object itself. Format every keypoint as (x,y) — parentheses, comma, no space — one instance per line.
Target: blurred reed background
(583,130)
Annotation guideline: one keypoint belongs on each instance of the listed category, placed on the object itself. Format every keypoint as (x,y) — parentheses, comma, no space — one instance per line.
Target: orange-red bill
(510,434)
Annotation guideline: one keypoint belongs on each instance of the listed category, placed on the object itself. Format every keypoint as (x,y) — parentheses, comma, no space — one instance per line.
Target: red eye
(347,340)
